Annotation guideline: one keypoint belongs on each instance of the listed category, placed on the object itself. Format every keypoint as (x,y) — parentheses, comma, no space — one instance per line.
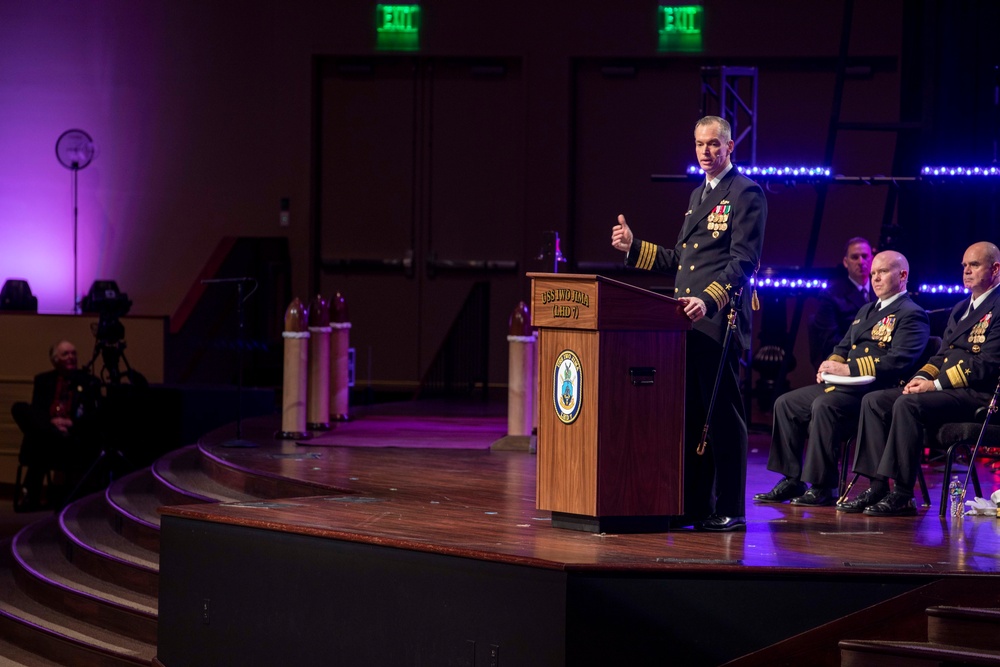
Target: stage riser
(281,598)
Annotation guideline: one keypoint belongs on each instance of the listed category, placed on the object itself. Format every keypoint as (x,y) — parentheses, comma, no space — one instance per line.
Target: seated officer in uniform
(840,301)
(951,386)
(60,425)
(885,342)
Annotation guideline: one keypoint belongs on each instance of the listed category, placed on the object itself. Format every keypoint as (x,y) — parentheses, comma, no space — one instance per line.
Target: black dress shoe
(786,489)
(867,498)
(815,497)
(894,504)
(720,524)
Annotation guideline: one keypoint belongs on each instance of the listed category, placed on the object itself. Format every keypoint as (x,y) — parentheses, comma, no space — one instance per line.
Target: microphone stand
(734,307)
(990,409)
(240,299)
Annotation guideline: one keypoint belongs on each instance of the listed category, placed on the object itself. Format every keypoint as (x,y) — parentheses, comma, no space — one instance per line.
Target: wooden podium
(611,403)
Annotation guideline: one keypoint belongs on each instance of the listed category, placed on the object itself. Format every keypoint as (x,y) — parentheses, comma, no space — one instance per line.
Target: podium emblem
(567,386)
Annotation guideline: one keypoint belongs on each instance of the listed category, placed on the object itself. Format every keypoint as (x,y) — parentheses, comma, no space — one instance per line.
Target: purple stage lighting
(943,289)
(777,282)
(961,172)
(777,173)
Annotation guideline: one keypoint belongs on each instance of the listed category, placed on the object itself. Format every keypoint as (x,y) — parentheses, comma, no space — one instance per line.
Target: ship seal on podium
(567,386)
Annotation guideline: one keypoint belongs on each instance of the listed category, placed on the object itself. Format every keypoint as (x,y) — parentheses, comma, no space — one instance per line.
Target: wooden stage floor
(447,543)
(481,504)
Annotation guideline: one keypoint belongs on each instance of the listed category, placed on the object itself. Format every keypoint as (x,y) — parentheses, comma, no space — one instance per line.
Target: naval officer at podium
(717,252)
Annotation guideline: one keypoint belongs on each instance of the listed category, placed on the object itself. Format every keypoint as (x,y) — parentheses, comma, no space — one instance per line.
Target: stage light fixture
(16,295)
(105,297)
(777,282)
(943,289)
(777,173)
(991,171)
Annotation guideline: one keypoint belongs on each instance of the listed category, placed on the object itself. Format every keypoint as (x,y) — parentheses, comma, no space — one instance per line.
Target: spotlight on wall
(16,295)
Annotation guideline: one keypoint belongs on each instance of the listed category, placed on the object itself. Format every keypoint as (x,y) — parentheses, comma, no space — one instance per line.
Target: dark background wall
(415,176)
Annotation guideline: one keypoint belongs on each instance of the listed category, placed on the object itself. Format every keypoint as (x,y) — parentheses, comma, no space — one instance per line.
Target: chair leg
(24,499)
(19,491)
(975,481)
(949,458)
(923,486)
(974,474)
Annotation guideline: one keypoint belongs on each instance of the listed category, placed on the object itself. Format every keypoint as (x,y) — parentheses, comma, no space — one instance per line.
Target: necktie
(704,192)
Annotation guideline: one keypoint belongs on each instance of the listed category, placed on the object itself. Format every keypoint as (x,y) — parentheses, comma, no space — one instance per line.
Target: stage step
(135,502)
(44,573)
(181,480)
(61,637)
(15,656)
(965,626)
(257,483)
(875,653)
(81,588)
(95,547)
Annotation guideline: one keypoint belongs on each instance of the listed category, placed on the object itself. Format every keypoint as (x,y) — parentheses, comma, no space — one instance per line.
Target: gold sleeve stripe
(647,254)
(836,357)
(931,370)
(956,377)
(866,365)
(718,294)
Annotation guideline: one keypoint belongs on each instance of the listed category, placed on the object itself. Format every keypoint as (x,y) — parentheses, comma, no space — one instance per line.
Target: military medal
(978,333)
(718,219)
(882,331)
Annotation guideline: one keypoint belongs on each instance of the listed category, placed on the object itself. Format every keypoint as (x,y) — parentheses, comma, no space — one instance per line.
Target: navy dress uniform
(886,343)
(717,252)
(838,305)
(893,425)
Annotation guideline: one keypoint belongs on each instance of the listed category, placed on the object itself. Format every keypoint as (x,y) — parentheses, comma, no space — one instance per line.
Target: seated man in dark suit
(840,301)
(60,425)
(885,340)
(951,386)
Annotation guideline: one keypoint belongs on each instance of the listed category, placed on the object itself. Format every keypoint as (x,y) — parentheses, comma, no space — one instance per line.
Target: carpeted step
(63,638)
(964,626)
(92,545)
(46,575)
(182,481)
(134,500)
(15,656)
(233,468)
(874,653)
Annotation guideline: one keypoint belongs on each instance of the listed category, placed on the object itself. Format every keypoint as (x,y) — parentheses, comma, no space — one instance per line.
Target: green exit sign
(679,28)
(397,27)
